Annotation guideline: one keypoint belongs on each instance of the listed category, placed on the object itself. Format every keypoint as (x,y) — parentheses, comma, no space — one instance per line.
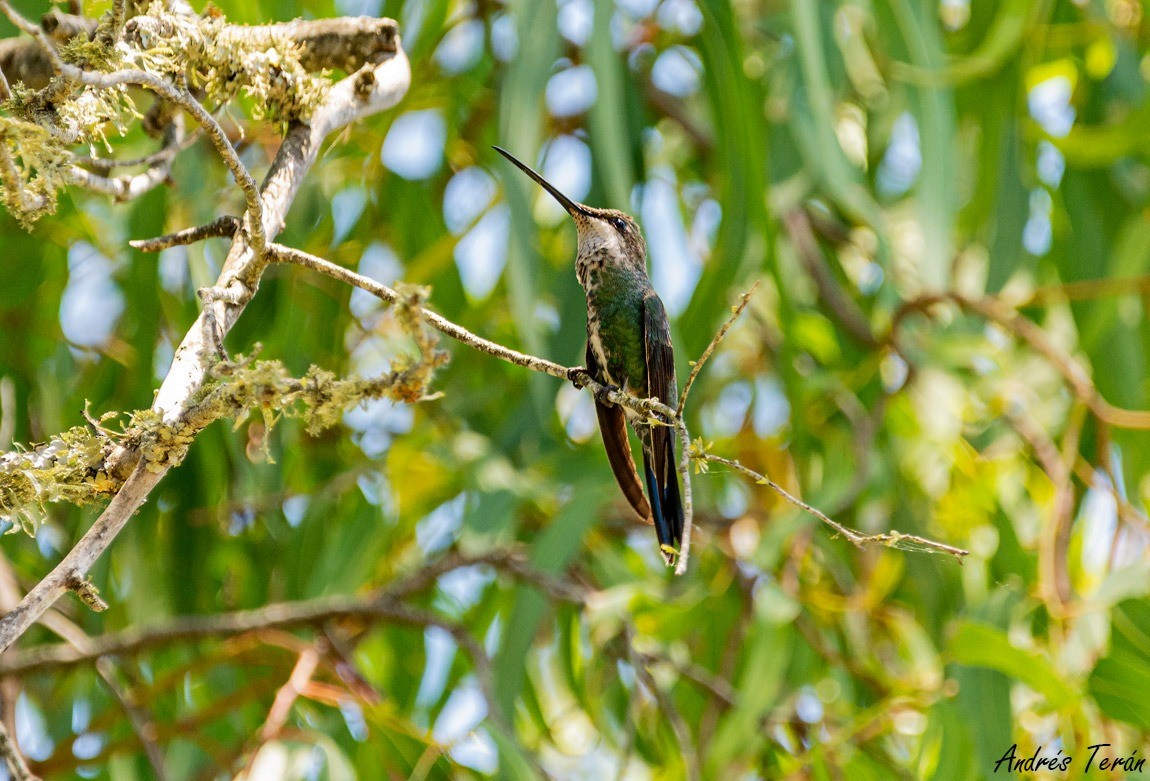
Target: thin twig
(29,28)
(121,188)
(841,306)
(119,15)
(1025,329)
(280,253)
(891,539)
(164,89)
(305,667)
(678,724)
(510,561)
(697,367)
(17,767)
(221,227)
(688,502)
(105,165)
(382,603)
(142,720)
(719,688)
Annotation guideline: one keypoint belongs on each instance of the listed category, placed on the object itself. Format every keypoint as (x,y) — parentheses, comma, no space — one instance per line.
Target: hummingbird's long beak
(568,204)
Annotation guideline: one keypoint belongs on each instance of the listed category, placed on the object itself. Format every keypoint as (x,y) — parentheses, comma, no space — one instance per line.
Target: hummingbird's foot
(603,395)
(578,375)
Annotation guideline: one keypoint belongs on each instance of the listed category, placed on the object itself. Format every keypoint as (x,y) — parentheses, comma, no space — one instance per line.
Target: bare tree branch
(278,252)
(17,767)
(578,376)
(381,603)
(697,366)
(221,227)
(891,539)
(840,305)
(366,92)
(1075,375)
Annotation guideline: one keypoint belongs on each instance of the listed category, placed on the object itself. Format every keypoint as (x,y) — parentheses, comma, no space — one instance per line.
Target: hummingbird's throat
(599,247)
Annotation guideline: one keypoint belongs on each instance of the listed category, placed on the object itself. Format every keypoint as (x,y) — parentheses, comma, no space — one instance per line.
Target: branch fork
(383,80)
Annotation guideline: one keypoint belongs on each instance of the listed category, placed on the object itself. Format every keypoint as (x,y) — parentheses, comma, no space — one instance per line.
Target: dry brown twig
(674,716)
(891,539)
(697,366)
(1026,330)
(383,603)
(17,767)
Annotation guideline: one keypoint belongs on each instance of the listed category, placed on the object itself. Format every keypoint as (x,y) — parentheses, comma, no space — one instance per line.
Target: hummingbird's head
(600,230)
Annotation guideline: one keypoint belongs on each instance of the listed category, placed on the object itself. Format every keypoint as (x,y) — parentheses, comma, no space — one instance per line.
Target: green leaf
(981,645)
(737,737)
(609,113)
(1119,681)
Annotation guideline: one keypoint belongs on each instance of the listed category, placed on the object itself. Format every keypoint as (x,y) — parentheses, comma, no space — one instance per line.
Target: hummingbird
(628,349)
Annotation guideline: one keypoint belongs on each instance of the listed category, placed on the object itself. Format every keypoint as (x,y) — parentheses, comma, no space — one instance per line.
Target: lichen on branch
(224,60)
(273,68)
(81,466)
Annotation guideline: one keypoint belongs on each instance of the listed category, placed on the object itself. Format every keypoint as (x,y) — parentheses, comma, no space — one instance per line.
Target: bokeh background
(850,155)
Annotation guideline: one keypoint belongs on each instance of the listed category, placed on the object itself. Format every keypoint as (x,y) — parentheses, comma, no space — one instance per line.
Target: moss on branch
(82,465)
(278,70)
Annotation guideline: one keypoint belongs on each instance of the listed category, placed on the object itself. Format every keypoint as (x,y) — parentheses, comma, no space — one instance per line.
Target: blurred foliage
(852,155)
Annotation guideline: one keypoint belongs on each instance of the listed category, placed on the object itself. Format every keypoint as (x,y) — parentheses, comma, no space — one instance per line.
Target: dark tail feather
(671,501)
(666,503)
(663,528)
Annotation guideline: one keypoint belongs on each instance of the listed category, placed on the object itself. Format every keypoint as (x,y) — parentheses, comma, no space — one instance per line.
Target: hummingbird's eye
(619,224)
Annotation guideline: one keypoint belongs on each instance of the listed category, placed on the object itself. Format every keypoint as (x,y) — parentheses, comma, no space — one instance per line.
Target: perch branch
(280,253)
(891,539)
(645,407)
